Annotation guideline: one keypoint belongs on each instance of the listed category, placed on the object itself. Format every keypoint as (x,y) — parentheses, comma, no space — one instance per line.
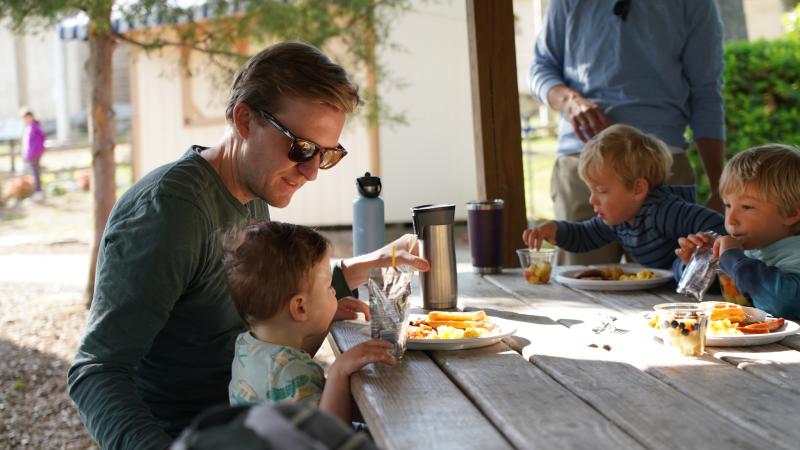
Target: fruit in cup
(730,292)
(538,272)
(684,334)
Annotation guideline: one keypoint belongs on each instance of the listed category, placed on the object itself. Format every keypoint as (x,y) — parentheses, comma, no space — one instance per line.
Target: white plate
(460,344)
(744,340)
(567,278)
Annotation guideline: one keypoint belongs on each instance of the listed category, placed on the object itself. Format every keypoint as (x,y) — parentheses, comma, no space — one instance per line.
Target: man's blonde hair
(630,153)
(772,169)
(291,70)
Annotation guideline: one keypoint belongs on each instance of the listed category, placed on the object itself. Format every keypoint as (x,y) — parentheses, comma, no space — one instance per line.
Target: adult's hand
(348,309)
(356,269)
(587,118)
(715,202)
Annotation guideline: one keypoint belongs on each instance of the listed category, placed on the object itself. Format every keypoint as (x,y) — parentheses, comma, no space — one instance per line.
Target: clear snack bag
(389,289)
(701,271)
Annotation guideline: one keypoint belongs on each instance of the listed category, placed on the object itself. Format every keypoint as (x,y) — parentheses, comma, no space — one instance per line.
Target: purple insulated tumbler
(485,224)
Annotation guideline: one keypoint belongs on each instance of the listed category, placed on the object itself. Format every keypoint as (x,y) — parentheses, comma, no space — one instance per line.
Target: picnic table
(558,384)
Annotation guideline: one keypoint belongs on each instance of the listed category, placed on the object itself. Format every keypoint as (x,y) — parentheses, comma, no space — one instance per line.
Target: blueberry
(682,326)
(674,324)
(685,332)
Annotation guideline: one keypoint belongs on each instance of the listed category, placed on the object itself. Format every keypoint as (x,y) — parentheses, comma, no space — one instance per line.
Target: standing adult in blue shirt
(654,64)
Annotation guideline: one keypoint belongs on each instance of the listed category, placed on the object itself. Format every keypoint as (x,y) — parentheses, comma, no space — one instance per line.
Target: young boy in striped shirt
(761,191)
(625,169)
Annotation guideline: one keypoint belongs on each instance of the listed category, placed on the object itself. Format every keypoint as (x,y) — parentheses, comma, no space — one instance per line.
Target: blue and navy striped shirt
(668,213)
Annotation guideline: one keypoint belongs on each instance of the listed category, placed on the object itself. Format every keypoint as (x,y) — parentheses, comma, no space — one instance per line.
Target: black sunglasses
(302,150)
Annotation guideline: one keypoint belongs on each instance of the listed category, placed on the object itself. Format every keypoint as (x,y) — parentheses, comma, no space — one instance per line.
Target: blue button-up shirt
(659,70)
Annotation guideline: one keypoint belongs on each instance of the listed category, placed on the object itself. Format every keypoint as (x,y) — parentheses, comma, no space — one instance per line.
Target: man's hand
(711,152)
(724,244)
(586,117)
(349,307)
(533,237)
(406,251)
(687,245)
(715,202)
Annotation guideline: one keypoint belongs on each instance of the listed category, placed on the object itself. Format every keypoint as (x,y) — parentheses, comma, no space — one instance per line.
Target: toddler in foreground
(760,188)
(279,277)
(625,170)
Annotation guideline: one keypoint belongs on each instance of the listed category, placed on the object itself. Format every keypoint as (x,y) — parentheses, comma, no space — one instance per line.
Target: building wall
(764,19)
(429,160)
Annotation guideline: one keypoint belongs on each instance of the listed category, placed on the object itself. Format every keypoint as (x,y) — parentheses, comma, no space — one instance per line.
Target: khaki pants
(571,202)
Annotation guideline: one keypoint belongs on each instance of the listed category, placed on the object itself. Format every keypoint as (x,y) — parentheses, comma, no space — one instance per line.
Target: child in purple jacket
(33,148)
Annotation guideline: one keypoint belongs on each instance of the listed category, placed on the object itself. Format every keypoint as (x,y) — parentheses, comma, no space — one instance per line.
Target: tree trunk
(733,19)
(101,129)
(373,114)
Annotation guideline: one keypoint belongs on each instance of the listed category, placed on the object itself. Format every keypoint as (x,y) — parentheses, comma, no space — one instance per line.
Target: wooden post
(495,102)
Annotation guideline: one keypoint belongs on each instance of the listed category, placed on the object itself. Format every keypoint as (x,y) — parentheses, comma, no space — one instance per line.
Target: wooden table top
(554,385)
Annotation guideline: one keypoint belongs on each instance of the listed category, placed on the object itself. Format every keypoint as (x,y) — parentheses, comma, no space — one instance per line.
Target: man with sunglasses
(159,340)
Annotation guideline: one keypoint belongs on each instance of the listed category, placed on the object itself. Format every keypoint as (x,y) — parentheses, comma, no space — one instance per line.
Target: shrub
(762,97)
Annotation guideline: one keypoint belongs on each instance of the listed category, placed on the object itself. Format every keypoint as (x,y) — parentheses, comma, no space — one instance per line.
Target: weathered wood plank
(649,410)
(774,363)
(414,404)
(530,408)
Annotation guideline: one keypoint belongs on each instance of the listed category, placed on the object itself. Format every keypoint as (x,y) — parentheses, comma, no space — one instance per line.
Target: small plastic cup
(730,293)
(683,327)
(537,265)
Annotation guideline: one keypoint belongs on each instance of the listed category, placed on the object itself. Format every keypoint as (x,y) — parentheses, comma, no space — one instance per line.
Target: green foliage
(762,97)
(791,23)
(358,28)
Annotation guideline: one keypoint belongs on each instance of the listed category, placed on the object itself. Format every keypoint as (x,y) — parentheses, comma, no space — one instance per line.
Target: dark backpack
(270,426)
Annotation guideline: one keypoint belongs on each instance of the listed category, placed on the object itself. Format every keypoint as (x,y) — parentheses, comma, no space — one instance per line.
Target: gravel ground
(43,266)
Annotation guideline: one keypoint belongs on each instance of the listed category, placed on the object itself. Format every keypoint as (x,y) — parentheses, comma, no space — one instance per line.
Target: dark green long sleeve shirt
(159,340)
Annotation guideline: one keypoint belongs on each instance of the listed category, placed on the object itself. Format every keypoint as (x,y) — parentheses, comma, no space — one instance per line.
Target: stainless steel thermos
(433,225)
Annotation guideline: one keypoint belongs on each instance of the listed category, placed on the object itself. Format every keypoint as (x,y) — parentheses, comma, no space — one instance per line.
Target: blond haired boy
(625,170)
(760,188)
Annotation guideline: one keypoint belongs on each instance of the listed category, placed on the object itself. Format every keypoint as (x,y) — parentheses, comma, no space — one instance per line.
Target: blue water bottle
(367,215)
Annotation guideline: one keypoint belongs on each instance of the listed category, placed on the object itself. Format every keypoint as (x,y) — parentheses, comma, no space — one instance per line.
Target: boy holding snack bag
(279,277)
(625,170)
(761,192)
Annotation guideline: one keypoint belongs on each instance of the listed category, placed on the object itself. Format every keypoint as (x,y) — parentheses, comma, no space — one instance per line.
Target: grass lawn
(539,155)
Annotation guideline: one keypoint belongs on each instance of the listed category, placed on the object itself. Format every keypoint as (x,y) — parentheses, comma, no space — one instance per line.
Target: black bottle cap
(369,186)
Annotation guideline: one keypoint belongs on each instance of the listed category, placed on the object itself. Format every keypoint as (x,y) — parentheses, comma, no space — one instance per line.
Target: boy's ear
(641,188)
(298,308)
(793,218)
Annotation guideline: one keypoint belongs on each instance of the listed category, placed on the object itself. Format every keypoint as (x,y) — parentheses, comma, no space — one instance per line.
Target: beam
(495,103)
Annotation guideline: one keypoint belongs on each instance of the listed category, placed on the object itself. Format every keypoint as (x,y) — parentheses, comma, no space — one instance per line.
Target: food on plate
(730,311)
(452,325)
(728,319)
(590,274)
(457,315)
(643,274)
(730,292)
(538,272)
(762,327)
(723,327)
(615,273)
